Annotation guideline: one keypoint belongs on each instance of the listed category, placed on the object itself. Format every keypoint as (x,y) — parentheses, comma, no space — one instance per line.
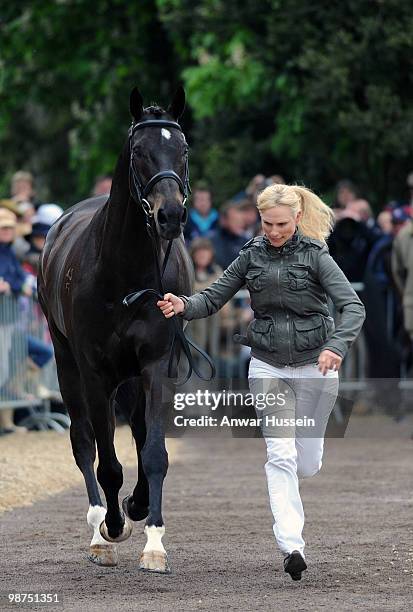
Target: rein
(140,196)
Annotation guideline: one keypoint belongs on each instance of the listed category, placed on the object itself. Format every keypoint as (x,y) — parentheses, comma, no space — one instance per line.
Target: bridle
(140,191)
(140,194)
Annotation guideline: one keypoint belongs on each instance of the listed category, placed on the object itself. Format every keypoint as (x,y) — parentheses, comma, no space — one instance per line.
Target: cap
(39,229)
(7,218)
(401,214)
(47,214)
(10,205)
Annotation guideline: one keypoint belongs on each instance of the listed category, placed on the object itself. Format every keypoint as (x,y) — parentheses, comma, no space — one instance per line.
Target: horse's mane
(154,109)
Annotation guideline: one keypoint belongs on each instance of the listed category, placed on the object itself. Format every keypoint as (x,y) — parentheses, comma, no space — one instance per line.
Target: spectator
(362,209)
(22,189)
(230,237)
(206,272)
(202,218)
(276,179)
(12,283)
(102,186)
(346,192)
(350,243)
(256,184)
(385,349)
(402,267)
(384,221)
(46,215)
(252,223)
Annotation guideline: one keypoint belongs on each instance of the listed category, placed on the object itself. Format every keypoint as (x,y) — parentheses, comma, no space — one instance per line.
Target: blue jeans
(40,352)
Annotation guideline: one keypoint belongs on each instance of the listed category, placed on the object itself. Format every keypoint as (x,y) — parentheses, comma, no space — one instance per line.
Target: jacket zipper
(287,315)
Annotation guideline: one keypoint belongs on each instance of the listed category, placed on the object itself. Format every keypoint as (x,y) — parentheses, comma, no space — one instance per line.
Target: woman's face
(279,224)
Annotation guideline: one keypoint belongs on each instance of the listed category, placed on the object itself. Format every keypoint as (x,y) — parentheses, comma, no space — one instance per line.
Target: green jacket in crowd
(289,286)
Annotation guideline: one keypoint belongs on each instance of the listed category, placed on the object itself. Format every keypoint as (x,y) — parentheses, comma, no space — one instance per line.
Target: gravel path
(359,534)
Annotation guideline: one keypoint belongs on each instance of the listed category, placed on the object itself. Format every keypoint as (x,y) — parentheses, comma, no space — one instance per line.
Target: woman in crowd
(289,274)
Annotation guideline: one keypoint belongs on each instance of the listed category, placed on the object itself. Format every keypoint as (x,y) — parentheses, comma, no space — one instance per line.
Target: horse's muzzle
(171,221)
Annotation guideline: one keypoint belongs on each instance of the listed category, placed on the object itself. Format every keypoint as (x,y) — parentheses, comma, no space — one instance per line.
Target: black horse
(99,251)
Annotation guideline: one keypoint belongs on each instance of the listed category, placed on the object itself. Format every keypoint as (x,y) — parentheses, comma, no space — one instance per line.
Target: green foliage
(315,91)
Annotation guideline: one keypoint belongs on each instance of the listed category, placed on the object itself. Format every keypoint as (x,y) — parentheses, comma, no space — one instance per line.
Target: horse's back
(59,249)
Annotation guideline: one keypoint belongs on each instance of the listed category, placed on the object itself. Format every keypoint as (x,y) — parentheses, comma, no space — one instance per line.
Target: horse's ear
(177,106)
(136,104)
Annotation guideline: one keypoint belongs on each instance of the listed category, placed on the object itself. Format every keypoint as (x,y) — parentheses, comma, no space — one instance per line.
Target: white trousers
(293,451)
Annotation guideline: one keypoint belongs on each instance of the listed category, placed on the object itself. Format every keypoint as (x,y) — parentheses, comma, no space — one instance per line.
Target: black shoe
(294,564)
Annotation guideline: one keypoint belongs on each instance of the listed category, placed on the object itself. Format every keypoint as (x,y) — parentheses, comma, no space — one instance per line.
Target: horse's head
(159,163)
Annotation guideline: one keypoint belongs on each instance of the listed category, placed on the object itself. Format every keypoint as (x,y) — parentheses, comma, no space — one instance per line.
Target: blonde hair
(317,218)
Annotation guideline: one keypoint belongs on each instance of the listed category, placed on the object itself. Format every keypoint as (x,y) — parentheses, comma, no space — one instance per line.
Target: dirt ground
(359,528)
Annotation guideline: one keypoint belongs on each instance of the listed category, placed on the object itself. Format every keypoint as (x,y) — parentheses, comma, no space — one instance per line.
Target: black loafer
(294,564)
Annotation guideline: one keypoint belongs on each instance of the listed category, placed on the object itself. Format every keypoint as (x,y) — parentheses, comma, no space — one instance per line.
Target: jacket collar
(288,247)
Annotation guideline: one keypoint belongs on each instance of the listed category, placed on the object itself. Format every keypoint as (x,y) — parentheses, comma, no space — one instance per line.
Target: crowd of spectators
(374,251)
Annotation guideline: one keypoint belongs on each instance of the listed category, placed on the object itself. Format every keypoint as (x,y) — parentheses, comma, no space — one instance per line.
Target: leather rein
(139,192)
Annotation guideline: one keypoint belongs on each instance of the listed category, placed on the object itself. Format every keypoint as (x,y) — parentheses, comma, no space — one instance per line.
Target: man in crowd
(230,237)
(202,218)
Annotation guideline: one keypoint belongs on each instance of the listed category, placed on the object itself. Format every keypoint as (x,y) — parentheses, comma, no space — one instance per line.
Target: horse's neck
(125,242)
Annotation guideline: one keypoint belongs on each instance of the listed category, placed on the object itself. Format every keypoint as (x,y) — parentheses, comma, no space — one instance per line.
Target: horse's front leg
(155,465)
(115,527)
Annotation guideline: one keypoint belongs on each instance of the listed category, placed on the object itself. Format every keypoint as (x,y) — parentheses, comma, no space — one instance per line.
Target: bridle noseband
(140,192)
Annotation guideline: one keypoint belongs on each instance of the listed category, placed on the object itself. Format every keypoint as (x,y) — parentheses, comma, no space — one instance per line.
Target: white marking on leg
(166,133)
(95,515)
(154,541)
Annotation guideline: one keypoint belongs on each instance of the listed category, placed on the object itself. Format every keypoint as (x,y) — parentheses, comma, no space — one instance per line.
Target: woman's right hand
(171,305)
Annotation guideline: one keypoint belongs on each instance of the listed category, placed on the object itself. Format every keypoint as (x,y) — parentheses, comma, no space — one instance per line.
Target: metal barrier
(22,383)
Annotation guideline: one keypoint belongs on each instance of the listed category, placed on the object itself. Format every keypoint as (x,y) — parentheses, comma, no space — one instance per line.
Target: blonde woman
(296,350)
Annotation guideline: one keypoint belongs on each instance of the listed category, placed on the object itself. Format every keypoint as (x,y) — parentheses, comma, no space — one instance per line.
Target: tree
(322,89)
(66,75)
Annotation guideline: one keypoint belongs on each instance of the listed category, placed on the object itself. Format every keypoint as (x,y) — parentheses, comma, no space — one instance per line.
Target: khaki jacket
(289,286)
(402,267)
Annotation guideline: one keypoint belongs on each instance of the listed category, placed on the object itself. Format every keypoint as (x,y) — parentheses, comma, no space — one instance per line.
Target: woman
(289,274)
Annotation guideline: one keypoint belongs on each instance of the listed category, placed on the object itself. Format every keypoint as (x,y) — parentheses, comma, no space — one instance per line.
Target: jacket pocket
(310,332)
(254,280)
(260,334)
(297,277)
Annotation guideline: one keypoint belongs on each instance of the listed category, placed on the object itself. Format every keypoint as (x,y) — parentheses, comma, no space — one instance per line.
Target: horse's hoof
(133,511)
(126,532)
(154,561)
(103,554)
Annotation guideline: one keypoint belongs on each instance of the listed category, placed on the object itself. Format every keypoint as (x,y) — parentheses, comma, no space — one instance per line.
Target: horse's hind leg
(84,450)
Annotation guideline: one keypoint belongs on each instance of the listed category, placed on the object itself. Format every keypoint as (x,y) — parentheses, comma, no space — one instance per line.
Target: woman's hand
(171,305)
(328,361)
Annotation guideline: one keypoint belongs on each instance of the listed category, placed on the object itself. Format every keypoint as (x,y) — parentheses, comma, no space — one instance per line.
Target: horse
(99,251)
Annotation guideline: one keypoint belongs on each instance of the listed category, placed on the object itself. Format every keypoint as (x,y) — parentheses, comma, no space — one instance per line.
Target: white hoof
(126,532)
(103,554)
(154,561)
(154,557)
